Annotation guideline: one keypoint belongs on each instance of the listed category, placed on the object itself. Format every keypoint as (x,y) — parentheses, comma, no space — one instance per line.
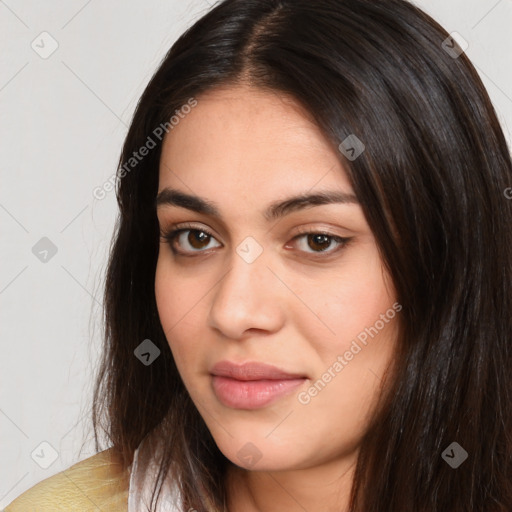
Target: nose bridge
(245,297)
(248,268)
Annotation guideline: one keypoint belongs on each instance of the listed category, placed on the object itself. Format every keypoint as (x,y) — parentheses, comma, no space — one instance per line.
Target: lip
(252,370)
(252,385)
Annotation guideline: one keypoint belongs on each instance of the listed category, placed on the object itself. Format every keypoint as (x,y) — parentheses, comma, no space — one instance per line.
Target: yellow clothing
(94,484)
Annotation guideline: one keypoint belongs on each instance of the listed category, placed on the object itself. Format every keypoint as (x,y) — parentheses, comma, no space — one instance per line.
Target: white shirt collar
(143,475)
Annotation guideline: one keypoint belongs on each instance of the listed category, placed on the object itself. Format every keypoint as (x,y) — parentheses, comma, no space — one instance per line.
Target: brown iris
(320,241)
(197,238)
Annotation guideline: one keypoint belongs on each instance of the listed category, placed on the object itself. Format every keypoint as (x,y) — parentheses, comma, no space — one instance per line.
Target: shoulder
(96,483)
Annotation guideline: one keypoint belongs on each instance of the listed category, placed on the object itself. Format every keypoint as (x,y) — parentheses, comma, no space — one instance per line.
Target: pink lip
(252,371)
(252,385)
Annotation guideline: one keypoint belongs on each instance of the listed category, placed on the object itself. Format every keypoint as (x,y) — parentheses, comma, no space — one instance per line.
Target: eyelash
(170,235)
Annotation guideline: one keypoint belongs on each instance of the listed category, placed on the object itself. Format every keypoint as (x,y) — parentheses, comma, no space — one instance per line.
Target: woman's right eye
(188,240)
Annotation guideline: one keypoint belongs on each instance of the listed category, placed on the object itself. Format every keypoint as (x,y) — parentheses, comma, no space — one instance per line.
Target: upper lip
(252,371)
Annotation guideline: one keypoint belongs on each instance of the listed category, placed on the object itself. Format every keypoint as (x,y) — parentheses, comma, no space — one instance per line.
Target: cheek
(350,360)
(358,305)
(166,297)
(178,294)
(348,304)
(181,312)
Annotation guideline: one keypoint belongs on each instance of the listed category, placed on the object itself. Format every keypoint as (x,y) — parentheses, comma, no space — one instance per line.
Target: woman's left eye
(321,242)
(198,240)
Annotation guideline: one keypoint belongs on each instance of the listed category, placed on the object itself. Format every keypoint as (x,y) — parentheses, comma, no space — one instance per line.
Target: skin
(295,306)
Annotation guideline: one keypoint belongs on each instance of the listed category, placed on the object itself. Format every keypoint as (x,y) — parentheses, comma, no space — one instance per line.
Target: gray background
(63,120)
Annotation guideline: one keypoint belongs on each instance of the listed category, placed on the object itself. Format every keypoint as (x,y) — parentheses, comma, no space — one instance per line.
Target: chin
(257,453)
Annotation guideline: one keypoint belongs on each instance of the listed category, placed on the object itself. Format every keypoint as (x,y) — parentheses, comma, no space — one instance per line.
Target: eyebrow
(276,210)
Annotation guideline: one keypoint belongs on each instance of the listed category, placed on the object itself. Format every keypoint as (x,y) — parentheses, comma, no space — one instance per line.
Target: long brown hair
(431,183)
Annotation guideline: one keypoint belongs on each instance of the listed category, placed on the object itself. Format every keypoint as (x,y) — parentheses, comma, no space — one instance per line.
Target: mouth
(252,385)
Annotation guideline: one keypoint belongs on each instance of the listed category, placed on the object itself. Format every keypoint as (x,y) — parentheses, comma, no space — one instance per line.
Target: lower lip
(252,394)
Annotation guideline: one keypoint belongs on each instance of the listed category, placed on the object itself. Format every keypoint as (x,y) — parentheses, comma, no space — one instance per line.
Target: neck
(323,488)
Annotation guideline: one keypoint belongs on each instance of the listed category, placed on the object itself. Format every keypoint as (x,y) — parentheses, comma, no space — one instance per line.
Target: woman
(309,292)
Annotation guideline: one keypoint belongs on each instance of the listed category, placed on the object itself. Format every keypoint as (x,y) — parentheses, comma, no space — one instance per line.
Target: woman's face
(245,283)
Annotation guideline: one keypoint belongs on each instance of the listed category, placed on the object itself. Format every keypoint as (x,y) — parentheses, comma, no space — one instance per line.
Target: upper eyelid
(185,226)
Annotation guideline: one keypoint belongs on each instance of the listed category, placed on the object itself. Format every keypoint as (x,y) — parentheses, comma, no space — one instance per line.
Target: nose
(248,297)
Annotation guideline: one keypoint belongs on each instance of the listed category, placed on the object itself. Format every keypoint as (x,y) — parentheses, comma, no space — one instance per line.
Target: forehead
(241,139)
